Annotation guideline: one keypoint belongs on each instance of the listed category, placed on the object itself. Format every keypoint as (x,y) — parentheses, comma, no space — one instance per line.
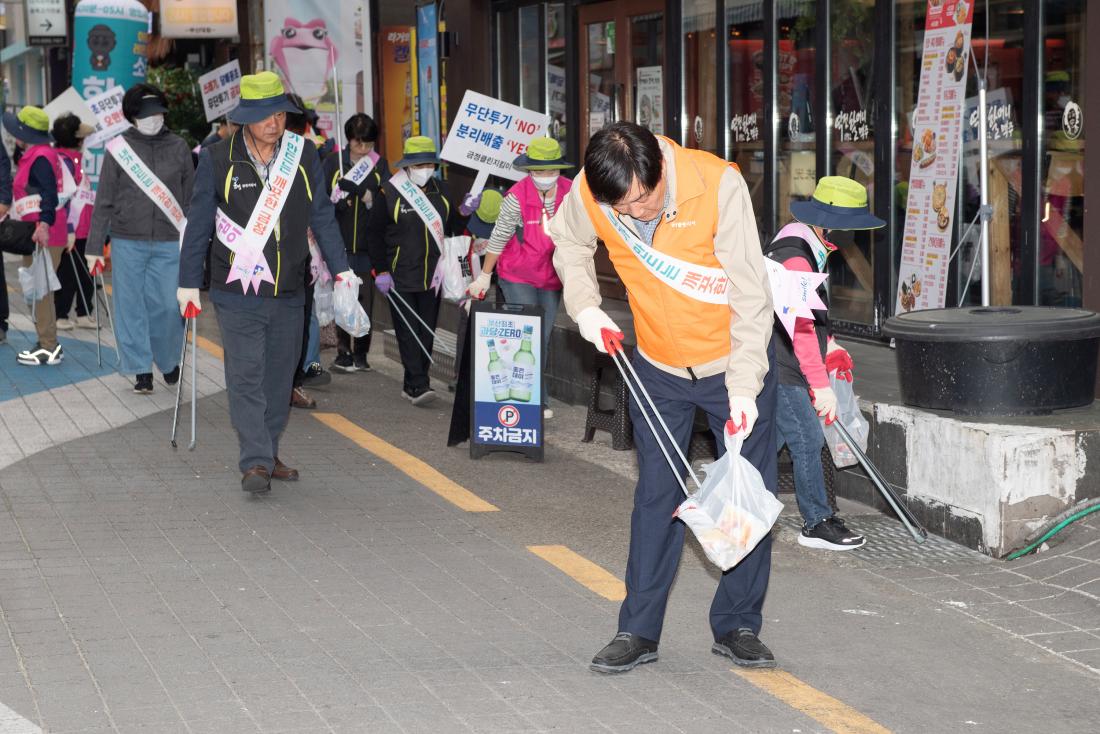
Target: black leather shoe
(744,648)
(624,653)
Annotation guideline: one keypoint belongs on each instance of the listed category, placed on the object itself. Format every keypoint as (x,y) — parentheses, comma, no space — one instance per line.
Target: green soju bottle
(523,368)
(498,373)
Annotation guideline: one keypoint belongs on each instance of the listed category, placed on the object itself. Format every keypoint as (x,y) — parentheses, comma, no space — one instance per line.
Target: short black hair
(361,126)
(618,154)
(131,101)
(64,131)
(296,121)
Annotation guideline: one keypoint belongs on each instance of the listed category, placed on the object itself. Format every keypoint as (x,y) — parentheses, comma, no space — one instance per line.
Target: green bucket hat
(31,125)
(837,203)
(543,154)
(262,95)
(481,224)
(418,149)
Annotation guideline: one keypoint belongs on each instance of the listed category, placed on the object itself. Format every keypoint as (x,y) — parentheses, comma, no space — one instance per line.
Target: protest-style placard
(110,121)
(221,90)
(488,134)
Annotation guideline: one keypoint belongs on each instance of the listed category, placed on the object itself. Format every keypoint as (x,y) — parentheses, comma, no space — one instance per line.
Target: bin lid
(995,323)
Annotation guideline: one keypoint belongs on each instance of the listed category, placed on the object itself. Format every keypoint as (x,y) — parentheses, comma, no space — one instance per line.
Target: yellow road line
(410,465)
(210,347)
(823,708)
(581,570)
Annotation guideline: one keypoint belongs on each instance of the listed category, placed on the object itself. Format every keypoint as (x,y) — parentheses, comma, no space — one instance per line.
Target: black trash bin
(997,361)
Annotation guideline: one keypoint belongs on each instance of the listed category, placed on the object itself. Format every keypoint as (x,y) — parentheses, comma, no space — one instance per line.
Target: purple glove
(383,282)
(469,205)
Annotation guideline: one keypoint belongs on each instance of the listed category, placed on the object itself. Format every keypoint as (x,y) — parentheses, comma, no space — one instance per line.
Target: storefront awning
(14,51)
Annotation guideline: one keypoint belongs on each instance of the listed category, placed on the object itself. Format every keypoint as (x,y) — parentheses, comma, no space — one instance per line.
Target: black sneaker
(419,397)
(171,378)
(361,363)
(39,355)
(343,362)
(316,375)
(625,652)
(830,534)
(144,383)
(744,648)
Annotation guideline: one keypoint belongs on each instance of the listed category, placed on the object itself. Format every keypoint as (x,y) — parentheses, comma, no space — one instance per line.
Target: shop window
(796,151)
(1061,228)
(700,103)
(555,70)
(508,57)
(851,270)
(745,79)
(531,95)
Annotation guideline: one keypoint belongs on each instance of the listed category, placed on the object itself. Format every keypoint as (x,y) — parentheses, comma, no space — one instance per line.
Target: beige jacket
(737,247)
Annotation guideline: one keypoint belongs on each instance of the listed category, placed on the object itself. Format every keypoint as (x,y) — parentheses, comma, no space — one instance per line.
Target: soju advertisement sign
(506,378)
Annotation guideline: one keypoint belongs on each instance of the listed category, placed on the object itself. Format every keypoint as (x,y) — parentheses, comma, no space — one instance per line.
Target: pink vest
(531,261)
(59,232)
(80,231)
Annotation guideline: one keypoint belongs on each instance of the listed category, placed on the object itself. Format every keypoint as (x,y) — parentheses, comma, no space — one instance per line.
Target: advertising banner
(649,103)
(198,18)
(506,378)
(938,128)
(312,45)
(221,90)
(427,67)
(488,134)
(397,88)
(109,38)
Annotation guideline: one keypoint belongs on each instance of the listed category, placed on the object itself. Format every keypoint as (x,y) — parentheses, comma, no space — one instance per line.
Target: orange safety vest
(673,328)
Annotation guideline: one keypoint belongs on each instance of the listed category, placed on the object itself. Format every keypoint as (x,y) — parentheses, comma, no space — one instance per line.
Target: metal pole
(983,182)
(194,382)
(339,118)
(179,385)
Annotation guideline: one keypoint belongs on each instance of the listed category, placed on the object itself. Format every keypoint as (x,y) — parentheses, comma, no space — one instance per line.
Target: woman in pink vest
(519,248)
(38,181)
(76,284)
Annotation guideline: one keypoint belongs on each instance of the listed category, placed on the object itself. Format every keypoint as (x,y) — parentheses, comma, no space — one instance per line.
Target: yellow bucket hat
(418,149)
(837,203)
(543,154)
(262,95)
(31,125)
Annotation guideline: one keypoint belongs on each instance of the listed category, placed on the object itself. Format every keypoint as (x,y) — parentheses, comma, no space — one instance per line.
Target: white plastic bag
(349,313)
(458,266)
(322,302)
(849,414)
(733,511)
(38,279)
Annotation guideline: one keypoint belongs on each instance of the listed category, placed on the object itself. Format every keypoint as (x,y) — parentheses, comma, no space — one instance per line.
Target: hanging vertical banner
(427,63)
(649,104)
(109,38)
(397,98)
(938,127)
(312,44)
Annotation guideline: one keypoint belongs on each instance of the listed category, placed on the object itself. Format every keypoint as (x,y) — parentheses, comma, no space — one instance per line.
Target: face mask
(150,125)
(821,248)
(421,176)
(544,182)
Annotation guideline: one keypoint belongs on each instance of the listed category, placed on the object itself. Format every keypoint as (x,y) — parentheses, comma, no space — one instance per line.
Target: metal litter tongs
(189,322)
(390,295)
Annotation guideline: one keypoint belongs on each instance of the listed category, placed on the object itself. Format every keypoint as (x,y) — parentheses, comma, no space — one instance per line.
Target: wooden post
(1000,245)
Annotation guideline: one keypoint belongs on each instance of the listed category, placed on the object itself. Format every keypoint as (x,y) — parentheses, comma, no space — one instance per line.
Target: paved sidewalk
(142,591)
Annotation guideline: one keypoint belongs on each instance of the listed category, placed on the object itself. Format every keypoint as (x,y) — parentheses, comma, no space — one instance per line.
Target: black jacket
(227,180)
(399,242)
(785,359)
(351,212)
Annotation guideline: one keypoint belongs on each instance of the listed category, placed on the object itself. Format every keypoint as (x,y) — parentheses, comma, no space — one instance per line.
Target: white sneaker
(64,325)
(84,322)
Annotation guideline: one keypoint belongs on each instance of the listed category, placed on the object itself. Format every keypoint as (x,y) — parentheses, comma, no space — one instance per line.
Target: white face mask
(421,176)
(545,182)
(150,125)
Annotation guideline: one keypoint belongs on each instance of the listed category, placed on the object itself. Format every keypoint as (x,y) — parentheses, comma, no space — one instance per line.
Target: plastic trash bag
(323,306)
(849,414)
(459,267)
(732,511)
(348,312)
(39,279)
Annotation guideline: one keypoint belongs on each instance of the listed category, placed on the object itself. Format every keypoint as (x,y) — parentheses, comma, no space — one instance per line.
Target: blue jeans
(797,425)
(313,346)
(148,326)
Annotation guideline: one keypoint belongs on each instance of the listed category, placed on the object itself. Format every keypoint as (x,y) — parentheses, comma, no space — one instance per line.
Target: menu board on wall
(938,127)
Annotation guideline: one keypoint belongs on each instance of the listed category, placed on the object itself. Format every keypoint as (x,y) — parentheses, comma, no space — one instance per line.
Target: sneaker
(625,652)
(315,375)
(64,325)
(39,355)
(144,383)
(419,397)
(744,648)
(84,322)
(830,534)
(361,363)
(299,398)
(171,378)
(343,362)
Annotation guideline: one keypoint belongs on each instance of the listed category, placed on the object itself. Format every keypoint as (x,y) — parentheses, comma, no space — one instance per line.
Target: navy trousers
(656,537)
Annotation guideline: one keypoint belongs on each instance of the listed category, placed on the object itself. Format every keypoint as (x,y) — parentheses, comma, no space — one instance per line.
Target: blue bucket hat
(837,203)
(262,95)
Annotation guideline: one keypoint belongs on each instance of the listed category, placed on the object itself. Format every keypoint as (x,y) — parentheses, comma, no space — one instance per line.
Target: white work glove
(824,400)
(188,297)
(96,264)
(592,321)
(743,415)
(480,286)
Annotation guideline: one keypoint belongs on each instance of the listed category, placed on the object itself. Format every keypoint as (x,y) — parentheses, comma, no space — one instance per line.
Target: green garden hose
(1060,523)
